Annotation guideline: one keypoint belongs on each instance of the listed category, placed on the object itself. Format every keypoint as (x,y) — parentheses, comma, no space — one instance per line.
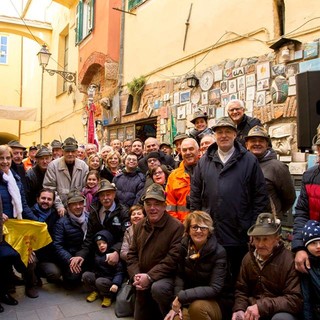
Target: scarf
(89,193)
(42,214)
(14,192)
(82,221)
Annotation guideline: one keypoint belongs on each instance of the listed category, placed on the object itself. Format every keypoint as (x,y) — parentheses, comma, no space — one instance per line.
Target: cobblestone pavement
(57,303)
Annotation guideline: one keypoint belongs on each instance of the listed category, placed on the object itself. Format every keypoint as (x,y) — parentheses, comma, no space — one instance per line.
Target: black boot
(1,308)
(8,299)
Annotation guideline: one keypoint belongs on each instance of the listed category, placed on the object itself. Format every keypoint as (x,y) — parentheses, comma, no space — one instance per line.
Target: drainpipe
(122,25)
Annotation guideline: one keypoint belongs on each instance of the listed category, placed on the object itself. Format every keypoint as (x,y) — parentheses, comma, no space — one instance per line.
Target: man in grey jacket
(276,173)
(65,174)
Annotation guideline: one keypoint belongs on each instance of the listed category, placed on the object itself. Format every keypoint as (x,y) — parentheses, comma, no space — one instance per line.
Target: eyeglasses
(234,109)
(196,227)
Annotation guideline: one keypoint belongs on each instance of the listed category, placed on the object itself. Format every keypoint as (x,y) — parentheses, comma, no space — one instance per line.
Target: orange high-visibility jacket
(177,189)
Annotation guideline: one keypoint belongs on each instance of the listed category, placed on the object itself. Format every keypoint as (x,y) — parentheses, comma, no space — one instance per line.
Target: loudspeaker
(308,111)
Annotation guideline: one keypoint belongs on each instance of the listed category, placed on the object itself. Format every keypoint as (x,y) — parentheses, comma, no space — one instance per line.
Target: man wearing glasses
(243,122)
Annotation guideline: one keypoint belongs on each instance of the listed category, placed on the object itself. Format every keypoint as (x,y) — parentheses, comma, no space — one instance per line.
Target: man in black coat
(35,176)
(108,214)
(228,184)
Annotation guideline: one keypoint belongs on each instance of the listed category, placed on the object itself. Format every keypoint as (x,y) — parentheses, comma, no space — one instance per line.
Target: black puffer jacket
(116,223)
(202,278)
(233,194)
(34,181)
(67,239)
(130,186)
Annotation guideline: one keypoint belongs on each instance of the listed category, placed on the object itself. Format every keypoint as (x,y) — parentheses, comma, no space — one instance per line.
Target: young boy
(105,278)
(310,282)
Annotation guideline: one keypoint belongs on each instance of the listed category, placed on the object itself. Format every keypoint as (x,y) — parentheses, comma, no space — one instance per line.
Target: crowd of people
(196,228)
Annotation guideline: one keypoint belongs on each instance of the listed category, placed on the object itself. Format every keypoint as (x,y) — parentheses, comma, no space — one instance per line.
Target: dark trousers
(235,255)
(8,258)
(100,284)
(155,302)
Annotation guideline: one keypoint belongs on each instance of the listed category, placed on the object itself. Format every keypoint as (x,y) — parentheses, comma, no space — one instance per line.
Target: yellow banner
(26,236)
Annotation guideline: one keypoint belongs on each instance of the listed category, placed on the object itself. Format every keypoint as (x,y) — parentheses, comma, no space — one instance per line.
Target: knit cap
(311,232)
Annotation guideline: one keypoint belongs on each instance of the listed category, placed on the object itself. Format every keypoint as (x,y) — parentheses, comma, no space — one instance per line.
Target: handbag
(125,300)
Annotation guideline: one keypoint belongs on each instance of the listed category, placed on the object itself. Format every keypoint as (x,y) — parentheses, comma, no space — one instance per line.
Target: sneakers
(106,302)
(93,296)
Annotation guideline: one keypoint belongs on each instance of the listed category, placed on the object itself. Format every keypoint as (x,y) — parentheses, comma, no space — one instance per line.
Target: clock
(206,80)
(195,96)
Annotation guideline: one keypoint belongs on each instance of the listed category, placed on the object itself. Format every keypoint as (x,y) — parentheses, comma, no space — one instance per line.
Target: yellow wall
(154,37)
(61,111)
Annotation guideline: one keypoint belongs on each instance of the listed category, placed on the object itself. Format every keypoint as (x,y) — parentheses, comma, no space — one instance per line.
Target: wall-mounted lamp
(192,81)
(44,56)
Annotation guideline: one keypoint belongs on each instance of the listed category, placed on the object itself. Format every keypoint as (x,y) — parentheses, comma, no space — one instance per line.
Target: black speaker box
(308,102)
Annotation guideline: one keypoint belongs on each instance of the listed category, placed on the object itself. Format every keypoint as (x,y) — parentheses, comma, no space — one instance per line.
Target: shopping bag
(125,300)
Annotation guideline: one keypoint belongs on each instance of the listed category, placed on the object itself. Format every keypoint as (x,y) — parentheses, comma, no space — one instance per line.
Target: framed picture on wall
(185,97)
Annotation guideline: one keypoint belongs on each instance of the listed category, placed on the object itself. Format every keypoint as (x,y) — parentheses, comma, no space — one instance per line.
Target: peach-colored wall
(106,37)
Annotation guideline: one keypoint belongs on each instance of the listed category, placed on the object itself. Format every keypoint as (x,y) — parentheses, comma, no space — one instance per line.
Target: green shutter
(79,21)
(134,3)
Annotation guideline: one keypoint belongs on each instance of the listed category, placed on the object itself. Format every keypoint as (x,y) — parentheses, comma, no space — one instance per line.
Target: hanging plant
(136,86)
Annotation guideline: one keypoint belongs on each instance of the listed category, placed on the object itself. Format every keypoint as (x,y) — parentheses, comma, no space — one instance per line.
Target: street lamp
(44,56)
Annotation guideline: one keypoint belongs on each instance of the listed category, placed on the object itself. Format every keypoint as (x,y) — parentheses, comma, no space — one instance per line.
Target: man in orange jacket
(178,185)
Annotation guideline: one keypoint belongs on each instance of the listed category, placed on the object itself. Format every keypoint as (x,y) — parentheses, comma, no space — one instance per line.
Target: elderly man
(30,161)
(35,176)
(268,287)
(205,142)
(65,174)
(68,236)
(243,122)
(278,179)
(178,185)
(106,214)
(90,148)
(152,145)
(17,156)
(56,147)
(228,184)
(177,140)
(153,256)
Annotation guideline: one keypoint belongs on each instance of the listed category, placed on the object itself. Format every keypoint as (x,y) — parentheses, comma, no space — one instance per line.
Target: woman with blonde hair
(201,272)
(112,166)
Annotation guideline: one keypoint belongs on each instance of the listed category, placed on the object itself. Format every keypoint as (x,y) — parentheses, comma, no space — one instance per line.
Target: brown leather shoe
(32,292)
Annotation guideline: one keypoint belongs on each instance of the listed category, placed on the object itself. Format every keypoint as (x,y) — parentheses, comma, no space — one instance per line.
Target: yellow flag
(26,236)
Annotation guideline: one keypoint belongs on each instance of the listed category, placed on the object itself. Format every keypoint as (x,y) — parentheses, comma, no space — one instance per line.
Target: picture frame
(204,97)
(185,97)
(224,86)
(311,50)
(232,86)
(250,93)
(225,98)
(214,96)
(241,83)
(261,98)
(181,112)
(176,98)
(218,75)
(263,84)
(263,70)
(250,79)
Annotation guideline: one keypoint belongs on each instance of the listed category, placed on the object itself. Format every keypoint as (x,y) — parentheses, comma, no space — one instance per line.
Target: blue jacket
(310,286)
(130,187)
(233,194)
(67,239)
(6,198)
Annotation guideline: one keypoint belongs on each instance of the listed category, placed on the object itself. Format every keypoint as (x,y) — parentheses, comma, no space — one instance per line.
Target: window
(134,3)
(84,19)
(3,49)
